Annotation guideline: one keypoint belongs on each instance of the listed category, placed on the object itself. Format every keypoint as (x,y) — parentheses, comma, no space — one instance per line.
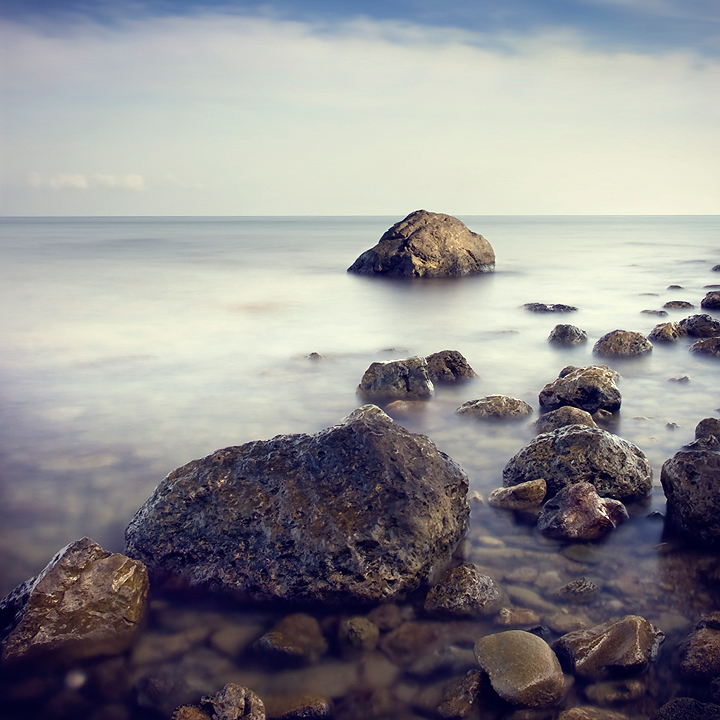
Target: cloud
(78,181)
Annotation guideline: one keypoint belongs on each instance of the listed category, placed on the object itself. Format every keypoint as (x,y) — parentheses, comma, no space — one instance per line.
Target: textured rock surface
(700,654)
(464,592)
(687,709)
(359,512)
(567,335)
(702,326)
(622,343)
(667,332)
(708,427)
(461,698)
(591,388)
(524,496)
(396,380)
(691,482)
(449,366)
(86,602)
(708,346)
(576,453)
(496,407)
(522,668)
(233,702)
(566,415)
(577,512)
(357,635)
(678,305)
(711,301)
(548,307)
(427,244)
(624,647)
(296,639)
(591,713)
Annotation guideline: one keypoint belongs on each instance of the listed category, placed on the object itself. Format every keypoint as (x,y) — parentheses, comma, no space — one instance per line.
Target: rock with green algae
(86,602)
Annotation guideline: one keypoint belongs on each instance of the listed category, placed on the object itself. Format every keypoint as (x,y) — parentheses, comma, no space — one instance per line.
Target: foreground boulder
(427,244)
(496,407)
(357,513)
(622,344)
(85,603)
(591,389)
(448,366)
(577,453)
(396,380)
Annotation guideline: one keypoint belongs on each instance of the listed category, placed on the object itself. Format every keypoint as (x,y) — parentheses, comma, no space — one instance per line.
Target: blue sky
(319,107)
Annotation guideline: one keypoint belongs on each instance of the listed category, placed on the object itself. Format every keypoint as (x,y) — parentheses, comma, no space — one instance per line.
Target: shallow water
(132,346)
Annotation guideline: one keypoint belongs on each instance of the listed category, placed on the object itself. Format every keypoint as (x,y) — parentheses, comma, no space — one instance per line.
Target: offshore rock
(678,305)
(623,647)
(577,512)
(622,343)
(396,380)
(566,415)
(690,480)
(524,496)
(708,346)
(522,667)
(702,326)
(464,592)
(707,427)
(496,407)
(427,244)
(576,453)
(685,708)
(548,307)
(667,332)
(449,366)
(85,603)
(566,335)
(711,301)
(700,653)
(357,513)
(591,388)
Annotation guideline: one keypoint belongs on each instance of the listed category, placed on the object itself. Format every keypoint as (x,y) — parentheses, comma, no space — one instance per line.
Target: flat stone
(496,407)
(622,343)
(678,305)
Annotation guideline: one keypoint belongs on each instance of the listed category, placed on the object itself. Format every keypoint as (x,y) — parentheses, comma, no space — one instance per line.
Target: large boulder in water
(427,244)
(590,388)
(357,513)
(578,453)
(396,380)
(622,344)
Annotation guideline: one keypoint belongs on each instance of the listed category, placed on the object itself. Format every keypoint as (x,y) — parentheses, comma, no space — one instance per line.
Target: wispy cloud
(77,181)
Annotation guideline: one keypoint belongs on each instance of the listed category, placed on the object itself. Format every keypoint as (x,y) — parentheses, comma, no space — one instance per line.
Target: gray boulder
(359,512)
(622,343)
(576,453)
(690,482)
(566,335)
(566,415)
(86,602)
(396,380)
(496,407)
(591,388)
(449,366)
(711,301)
(708,346)
(427,244)
(707,427)
(667,332)
(702,326)
(463,592)
(577,512)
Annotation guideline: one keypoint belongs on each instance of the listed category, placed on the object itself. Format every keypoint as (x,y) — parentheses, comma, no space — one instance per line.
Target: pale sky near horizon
(313,107)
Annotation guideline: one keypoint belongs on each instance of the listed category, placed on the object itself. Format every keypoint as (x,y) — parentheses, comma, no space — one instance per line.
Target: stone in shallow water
(687,709)
(496,407)
(667,332)
(703,326)
(464,592)
(296,639)
(396,380)
(700,655)
(622,343)
(522,668)
(709,347)
(566,335)
(233,702)
(590,388)
(524,496)
(711,301)
(566,415)
(448,366)
(357,635)
(548,307)
(591,713)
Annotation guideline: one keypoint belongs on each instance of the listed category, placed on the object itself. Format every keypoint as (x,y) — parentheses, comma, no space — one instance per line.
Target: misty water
(133,345)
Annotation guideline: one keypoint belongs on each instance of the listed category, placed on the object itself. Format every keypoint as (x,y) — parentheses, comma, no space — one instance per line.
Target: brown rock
(524,496)
(496,407)
(448,366)
(622,343)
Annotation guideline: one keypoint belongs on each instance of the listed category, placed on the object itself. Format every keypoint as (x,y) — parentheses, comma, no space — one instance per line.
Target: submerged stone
(464,592)
(711,301)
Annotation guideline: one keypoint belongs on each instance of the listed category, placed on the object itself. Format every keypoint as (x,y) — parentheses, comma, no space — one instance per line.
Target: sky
(362,107)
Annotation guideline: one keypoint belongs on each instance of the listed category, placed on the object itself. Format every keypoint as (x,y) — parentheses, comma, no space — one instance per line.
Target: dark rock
(565,415)
(591,388)
(680,379)
(578,591)
(357,635)
(675,287)
(449,366)
(522,667)
(406,643)
(461,697)
(296,640)
(708,346)
(678,305)
(85,603)
(687,709)
(549,308)
(707,427)
(622,343)
(577,512)
(700,654)
(591,713)
(234,702)
(567,335)
(667,332)
(613,692)
(690,482)
(303,707)
(716,268)
(702,326)
(496,407)
(623,647)
(711,301)
(524,496)
(427,244)
(450,659)
(396,380)
(576,453)
(659,313)
(464,592)
(359,512)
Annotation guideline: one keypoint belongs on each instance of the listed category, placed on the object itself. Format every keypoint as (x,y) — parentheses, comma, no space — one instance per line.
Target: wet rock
(359,512)
(687,709)
(296,639)
(427,244)
(449,366)
(700,654)
(567,335)
(622,343)
(406,643)
(448,660)
(690,482)
(702,326)
(357,635)
(548,308)
(591,388)
(461,697)
(464,592)
(624,647)
(566,415)
(711,301)
(709,346)
(707,427)
(678,305)
(577,512)
(85,603)
(514,617)
(667,332)
(496,407)
(190,712)
(524,496)
(522,667)
(307,707)
(576,453)
(396,380)
(591,713)
(233,702)
(581,590)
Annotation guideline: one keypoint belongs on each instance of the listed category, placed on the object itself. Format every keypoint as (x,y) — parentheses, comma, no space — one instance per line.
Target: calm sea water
(133,345)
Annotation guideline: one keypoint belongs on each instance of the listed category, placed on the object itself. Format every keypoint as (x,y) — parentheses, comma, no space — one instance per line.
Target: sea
(132,345)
